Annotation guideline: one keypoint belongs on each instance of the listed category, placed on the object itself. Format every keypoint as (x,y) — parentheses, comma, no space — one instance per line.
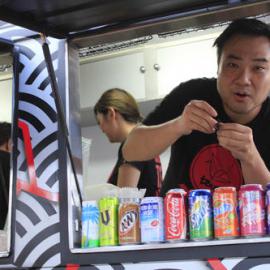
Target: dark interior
(4,47)
(85,20)
(62,18)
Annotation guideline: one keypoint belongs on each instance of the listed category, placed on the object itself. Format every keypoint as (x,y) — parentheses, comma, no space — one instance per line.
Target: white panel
(185,265)
(183,62)
(101,157)
(6,100)
(122,72)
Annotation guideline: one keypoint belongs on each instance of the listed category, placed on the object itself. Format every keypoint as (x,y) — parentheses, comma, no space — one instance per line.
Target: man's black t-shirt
(197,161)
(150,177)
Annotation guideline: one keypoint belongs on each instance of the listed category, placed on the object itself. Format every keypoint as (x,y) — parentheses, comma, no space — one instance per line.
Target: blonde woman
(117,113)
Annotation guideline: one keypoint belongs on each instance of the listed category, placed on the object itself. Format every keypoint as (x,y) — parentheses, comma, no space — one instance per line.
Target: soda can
(225,205)
(252,210)
(152,220)
(129,221)
(108,229)
(90,224)
(267,203)
(175,215)
(200,214)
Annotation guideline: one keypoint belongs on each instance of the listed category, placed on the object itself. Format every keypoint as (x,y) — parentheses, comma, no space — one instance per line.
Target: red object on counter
(216,264)
(175,215)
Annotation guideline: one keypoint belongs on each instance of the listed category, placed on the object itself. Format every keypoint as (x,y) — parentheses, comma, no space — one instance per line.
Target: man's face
(244,76)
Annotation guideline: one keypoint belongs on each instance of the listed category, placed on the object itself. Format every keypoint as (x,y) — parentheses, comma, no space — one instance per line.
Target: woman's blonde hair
(123,102)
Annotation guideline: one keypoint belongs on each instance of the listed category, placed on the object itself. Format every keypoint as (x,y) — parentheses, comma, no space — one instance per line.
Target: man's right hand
(198,115)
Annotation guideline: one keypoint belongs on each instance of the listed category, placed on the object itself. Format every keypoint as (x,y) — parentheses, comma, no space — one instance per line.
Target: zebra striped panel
(37,237)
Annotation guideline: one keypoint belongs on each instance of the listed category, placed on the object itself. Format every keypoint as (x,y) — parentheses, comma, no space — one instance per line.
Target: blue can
(152,220)
(200,214)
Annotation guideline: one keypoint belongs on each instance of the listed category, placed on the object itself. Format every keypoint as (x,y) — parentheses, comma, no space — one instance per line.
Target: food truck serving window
(104,229)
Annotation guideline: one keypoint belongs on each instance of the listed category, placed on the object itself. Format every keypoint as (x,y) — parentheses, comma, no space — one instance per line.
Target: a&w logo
(128,221)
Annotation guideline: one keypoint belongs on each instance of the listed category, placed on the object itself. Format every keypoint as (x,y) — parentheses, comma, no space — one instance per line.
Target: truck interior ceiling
(84,21)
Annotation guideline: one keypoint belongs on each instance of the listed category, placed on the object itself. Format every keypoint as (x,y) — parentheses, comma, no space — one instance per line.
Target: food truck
(43,44)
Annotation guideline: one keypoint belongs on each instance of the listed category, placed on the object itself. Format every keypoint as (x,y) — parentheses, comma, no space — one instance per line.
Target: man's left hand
(238,139)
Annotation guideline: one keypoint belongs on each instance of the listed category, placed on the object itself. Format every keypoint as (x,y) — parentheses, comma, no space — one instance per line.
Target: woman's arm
(128,176)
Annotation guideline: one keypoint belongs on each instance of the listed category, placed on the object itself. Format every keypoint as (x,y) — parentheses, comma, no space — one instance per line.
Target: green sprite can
(108,228)
(200,214)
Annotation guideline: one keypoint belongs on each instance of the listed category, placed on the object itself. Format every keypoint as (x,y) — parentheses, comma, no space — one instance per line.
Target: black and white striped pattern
(37,238)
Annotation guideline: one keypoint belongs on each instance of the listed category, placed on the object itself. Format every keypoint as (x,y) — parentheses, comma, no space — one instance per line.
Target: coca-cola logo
(173,207)
(127,221)
(173,217)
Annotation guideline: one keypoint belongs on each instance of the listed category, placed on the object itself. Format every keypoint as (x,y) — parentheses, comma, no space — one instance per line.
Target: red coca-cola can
(175,215)
(252,210)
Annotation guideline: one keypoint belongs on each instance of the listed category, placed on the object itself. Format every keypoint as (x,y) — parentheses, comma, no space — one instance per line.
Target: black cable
(59,108)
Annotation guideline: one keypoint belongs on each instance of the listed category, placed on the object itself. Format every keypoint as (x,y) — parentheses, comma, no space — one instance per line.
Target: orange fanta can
(226,224)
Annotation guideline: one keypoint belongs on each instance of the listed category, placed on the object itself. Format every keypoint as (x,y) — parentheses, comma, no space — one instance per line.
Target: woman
(117,113)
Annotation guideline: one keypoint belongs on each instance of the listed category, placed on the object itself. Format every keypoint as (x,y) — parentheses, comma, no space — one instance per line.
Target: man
(5,149)
(218,129)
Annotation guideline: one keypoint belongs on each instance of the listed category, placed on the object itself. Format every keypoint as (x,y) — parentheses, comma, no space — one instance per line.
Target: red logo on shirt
(214,166)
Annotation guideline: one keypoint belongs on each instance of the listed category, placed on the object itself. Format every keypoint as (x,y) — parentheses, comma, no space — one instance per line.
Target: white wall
(102,156)
(120,71)
(5,100)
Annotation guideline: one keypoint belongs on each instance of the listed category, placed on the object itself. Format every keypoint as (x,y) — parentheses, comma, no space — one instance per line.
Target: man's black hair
(244,26)
(5,132)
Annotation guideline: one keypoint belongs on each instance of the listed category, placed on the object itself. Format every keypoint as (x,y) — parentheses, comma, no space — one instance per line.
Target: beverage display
(200,214)
(225,204)
(129,221)
(152,220)
(90,224)
(137,220)
(175,215)
(108,229)
(252,211)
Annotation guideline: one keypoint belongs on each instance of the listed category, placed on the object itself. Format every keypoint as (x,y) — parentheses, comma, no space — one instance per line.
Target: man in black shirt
(218,128)
(5,149)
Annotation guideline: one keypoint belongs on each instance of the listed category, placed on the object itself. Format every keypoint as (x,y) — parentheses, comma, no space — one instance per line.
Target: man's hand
(198,115)
(238,139)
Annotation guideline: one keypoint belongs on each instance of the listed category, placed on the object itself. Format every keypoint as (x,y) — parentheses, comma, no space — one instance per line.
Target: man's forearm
(255,172)
(147,142)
